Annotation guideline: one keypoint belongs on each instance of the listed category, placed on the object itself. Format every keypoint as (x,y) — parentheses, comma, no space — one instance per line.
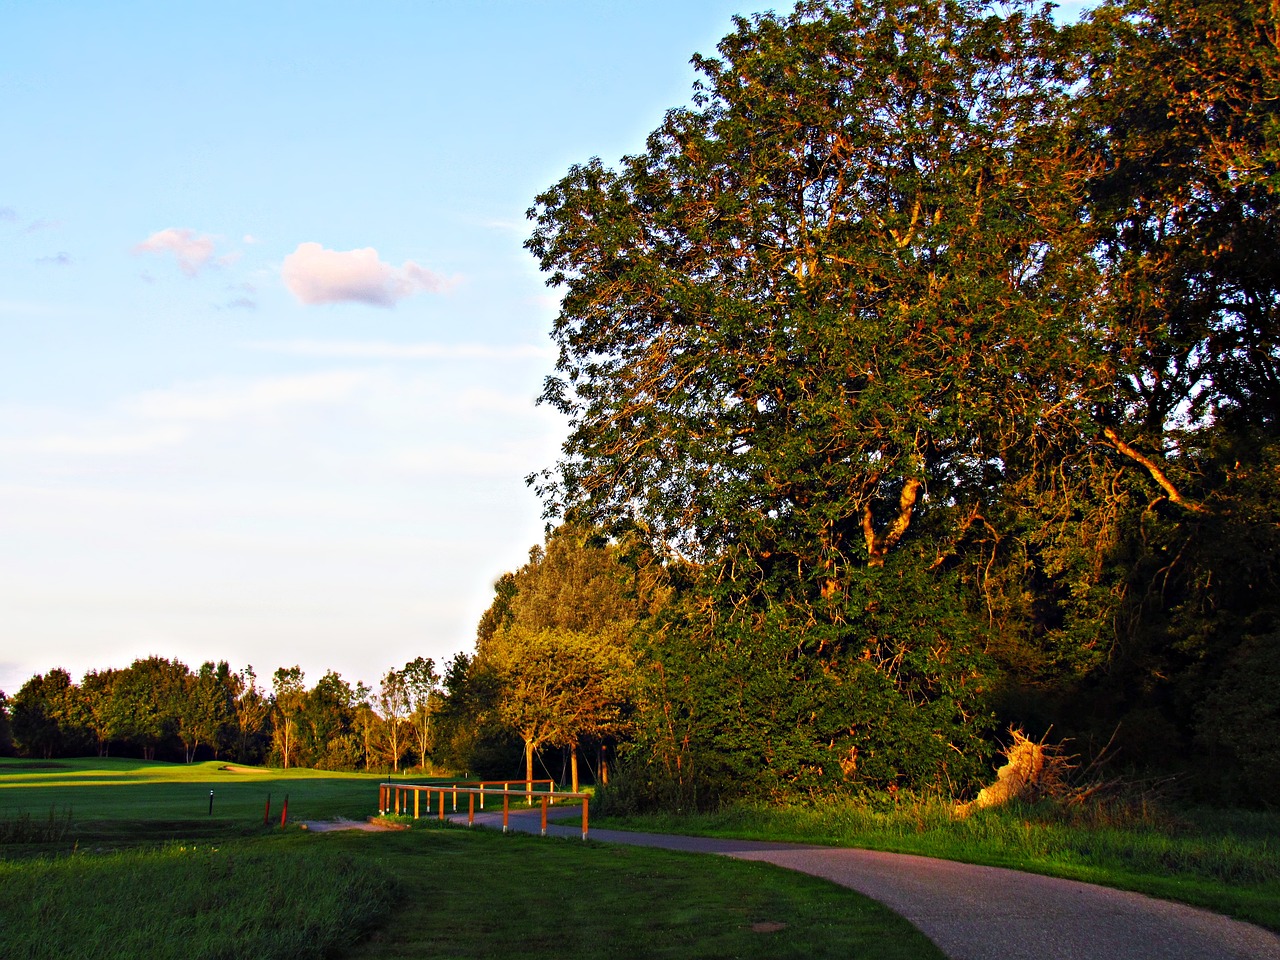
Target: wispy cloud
(224,401)
(384,350)
(8,214)
(111,444)
(192,251)
(60,259)
(316,275)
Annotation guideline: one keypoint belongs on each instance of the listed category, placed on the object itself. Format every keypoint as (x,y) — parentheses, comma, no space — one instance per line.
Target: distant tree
(394,705)
(148,697)
(41,710)
(206,710)
(287,701)
(98,710)
(252,714)
(469,734)
(6,732)
(422,683)
(365,721)
(328,721)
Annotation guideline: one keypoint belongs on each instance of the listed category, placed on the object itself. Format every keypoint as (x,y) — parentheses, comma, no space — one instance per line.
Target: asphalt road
(984,913)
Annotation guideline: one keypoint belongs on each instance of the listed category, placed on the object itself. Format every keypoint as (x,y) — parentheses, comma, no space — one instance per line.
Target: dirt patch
(372,825)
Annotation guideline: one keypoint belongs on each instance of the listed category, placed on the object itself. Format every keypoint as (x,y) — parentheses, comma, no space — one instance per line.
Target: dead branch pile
(1033,770)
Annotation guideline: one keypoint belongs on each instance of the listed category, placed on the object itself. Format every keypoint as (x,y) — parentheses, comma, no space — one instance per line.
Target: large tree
(809,338)
(848,288)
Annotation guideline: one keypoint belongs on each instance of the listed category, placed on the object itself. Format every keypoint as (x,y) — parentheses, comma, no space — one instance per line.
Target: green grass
(128,880)
(245,899)
(483,894)
(1227,861)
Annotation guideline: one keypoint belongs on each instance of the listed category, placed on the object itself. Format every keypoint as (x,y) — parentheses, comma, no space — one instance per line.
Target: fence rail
(394,798)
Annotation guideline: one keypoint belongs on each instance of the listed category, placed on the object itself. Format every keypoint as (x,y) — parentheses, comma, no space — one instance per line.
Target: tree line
(158,708)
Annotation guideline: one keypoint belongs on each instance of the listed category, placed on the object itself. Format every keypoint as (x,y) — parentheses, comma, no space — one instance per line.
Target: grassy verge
(246,899)
(116,883)
(1227,861)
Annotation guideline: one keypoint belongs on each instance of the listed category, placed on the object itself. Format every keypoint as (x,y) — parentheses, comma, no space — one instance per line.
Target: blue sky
(270,341)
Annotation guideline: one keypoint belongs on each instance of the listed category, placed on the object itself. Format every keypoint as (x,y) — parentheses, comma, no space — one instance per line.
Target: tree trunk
(528,769)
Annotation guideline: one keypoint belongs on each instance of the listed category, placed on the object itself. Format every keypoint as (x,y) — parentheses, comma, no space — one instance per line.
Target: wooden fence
(395,798)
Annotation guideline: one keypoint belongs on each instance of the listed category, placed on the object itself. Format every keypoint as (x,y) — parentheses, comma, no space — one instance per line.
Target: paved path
(984,913)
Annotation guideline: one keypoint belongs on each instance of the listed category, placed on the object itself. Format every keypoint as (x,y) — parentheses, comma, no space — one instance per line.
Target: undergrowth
(23,828)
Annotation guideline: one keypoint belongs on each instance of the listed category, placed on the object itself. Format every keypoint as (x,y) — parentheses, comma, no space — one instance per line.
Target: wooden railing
(394,798)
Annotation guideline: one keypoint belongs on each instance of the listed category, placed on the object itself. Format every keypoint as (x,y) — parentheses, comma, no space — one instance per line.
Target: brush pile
(1035,770)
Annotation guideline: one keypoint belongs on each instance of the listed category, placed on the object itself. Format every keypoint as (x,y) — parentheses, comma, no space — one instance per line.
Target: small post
(481,794)
(505,800)
(284,811)
(544,814)
(211,803)
(584,818)
(266,814)
(441,803)
(455,798)
(471,810)
(417,794)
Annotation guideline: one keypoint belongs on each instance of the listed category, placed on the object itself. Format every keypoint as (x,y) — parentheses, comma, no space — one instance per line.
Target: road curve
(983,913)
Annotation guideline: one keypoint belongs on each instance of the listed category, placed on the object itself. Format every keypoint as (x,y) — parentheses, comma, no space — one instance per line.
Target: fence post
(584,818)
(417,795)
(471,809)
(441,803)
(505,800)
(544,814)
(284,811)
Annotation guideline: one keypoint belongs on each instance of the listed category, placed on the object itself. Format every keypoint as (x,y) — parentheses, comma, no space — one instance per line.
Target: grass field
(140,869)
(1227,861)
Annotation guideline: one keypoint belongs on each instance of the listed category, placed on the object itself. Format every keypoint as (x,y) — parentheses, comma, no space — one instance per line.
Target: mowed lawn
(110,796)
(144,871)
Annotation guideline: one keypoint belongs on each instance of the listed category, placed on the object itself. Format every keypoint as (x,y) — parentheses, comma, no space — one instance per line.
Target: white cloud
(192,251)
(384,350)
(315,275)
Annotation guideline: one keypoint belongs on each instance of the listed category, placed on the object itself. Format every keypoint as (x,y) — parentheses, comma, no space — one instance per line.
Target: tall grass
(23,828)
(265,900)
